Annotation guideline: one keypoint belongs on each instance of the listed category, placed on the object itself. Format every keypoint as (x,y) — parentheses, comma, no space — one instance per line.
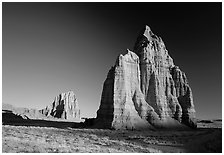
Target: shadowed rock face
(146,90)
(64,106)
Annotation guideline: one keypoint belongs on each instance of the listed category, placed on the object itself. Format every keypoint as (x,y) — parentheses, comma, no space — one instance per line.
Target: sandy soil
(50,139)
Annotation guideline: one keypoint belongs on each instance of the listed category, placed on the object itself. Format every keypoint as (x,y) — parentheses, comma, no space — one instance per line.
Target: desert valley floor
(59,138)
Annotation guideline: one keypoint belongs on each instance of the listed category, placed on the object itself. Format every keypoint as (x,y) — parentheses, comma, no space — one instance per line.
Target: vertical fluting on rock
(184,96)
(64,106)
(145,89)
(118,108)
(164,85)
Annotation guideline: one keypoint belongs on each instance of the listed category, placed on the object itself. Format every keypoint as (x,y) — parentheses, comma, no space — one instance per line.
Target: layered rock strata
(146,90)
(64,106)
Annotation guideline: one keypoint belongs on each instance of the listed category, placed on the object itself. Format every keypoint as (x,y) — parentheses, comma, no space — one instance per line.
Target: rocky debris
(146,90)
(64,106)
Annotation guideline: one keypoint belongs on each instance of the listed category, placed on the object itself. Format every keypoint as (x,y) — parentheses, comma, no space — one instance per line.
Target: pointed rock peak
(129,51)
(147,32)
(147,28)
(145,90)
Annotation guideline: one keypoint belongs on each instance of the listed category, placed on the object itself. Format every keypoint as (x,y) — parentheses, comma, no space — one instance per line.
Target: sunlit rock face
(146,90)
(64,106)
(122,103)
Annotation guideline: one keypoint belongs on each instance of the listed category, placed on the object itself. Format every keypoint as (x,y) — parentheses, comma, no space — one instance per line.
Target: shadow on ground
(207,138)
(9,118)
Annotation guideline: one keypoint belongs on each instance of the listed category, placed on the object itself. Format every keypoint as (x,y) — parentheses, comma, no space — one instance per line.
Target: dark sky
(49,48)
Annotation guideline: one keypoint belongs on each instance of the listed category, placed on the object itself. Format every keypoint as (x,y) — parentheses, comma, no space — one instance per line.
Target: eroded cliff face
(121,96)
(163,84)
(64,106)
(146,90)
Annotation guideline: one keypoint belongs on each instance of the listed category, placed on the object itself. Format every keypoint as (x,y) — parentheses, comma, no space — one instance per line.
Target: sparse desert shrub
(52,140)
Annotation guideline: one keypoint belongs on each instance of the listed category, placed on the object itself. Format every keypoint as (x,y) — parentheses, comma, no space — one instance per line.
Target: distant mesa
(64,106)
(21,112)
(145,90)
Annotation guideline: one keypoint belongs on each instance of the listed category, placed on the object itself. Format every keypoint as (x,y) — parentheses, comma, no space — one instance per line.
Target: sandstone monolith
(64,106)
(146,90)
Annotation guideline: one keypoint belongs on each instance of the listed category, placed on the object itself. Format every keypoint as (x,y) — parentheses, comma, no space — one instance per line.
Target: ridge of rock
(146,90)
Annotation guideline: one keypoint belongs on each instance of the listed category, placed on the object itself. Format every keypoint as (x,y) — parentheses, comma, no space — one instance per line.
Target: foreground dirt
(49,139)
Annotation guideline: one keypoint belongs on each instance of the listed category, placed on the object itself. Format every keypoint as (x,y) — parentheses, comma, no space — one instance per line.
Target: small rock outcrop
(146,90)
(64,106)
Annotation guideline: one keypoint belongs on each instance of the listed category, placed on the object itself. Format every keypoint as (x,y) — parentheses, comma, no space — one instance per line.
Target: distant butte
(64,106)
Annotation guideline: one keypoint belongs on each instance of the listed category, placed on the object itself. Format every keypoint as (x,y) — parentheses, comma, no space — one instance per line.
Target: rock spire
(144,89)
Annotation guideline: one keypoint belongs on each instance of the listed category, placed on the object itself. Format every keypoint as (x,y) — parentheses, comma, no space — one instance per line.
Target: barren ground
(207,138)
